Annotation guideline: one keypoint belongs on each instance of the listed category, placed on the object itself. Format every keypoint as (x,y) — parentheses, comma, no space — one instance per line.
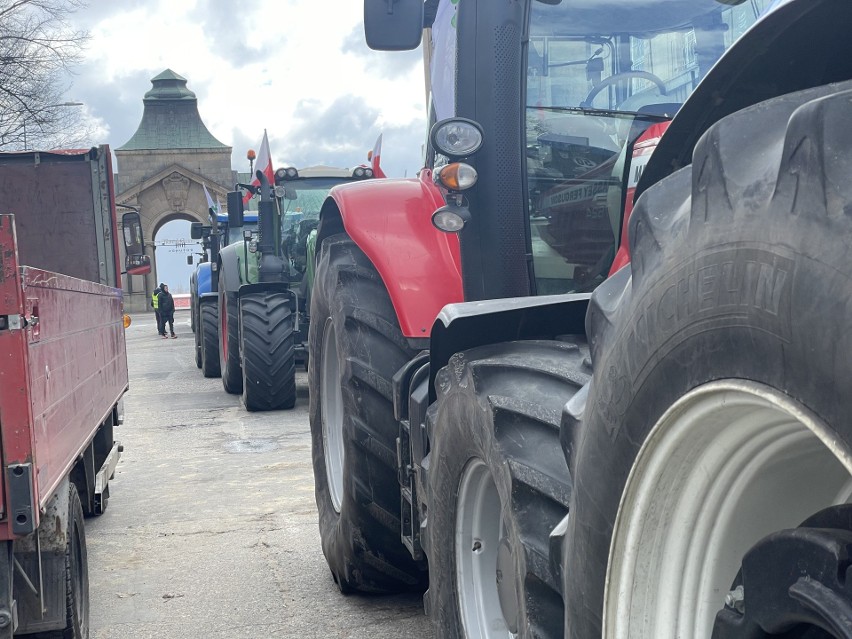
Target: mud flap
(31,576)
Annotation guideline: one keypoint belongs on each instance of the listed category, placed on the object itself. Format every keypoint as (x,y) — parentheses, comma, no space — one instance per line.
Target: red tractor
(468,391)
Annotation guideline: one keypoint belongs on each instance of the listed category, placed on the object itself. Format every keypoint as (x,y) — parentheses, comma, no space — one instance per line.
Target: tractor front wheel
(269,354)
(355,347)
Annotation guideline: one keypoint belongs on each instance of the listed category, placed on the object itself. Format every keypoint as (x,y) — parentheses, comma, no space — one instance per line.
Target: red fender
(642,150)
(391,221)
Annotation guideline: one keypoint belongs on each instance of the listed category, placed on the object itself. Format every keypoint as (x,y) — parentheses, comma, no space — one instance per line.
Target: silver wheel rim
(331,405)
(479,532)
(726,465)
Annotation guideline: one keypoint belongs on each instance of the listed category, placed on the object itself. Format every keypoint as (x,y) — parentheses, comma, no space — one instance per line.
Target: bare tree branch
(38,50)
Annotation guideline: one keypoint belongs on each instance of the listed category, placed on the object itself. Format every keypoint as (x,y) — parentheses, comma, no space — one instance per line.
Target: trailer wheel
(209,332)
(355,347)
(229,337)
(269,353)
(719,409)
(76,576)
(498,485)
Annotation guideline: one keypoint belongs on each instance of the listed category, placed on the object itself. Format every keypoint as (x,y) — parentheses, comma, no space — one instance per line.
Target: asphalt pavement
(211,528)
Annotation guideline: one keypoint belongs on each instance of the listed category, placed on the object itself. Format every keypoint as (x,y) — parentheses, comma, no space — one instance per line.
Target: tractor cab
(601,87)
(300,194)
(586,89)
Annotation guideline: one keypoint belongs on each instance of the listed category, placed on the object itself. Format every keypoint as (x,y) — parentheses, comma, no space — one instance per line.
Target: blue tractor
(203,285)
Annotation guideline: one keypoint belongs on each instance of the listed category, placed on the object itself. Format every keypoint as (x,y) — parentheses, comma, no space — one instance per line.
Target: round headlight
(450,219)
(358,172)
(292,172)
(280,191)
(280,174)
(368,173)
(457,137)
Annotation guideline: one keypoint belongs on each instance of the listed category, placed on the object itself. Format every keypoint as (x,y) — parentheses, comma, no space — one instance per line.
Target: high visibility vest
(155,301)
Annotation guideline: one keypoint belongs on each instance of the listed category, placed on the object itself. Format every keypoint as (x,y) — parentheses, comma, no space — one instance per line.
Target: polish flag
(264,163)
(376,157)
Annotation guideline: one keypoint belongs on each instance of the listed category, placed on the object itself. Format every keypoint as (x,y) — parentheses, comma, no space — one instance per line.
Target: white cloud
(256,65)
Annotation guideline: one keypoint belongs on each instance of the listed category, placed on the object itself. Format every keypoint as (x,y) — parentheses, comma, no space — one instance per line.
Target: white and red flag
(376,158)
(213,207)
(264,163)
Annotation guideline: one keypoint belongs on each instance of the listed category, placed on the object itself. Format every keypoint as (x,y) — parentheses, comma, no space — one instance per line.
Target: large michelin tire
(269,353)
(498,485)
(209,332)
(355,347)
(719,408)
(229,337)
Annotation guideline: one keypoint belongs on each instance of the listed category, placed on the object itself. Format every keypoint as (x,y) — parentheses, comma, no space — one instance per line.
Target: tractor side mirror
(235,209)
(393,25)
(196,230)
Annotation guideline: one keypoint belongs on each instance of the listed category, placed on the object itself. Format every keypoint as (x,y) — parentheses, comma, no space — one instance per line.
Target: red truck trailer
(63,371)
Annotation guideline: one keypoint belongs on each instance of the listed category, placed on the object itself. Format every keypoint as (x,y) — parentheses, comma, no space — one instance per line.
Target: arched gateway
(162,168)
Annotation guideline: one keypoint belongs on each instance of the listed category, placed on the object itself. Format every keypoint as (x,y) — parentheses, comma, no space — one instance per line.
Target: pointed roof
(170,119)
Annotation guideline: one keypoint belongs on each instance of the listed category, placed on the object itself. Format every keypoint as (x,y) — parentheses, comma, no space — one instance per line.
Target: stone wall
(135,167)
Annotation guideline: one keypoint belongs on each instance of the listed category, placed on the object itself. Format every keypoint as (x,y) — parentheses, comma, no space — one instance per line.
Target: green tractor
(264,283)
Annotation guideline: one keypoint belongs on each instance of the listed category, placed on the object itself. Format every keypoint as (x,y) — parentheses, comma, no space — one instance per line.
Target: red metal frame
(16,418)
(642,150)
(61,377)
(391,221)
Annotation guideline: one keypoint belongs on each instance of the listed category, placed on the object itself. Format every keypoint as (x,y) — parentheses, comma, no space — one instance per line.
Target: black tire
(76,577)
(197,336)
(361,542)
(269,353)
(209,340)
(500,406)
(761,219)
(229,338)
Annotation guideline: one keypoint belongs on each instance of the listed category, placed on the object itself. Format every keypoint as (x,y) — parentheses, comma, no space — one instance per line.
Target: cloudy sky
(298,68)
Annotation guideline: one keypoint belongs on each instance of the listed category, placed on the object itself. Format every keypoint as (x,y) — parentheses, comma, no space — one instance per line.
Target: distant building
(162,168)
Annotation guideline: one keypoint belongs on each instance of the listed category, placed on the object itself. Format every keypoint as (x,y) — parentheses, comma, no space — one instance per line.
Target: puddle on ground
(251,445)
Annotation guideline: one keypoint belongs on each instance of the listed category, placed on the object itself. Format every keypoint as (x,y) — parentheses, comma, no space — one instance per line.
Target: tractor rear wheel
(355,347)
(717,419)
(269,353)
(498,485)
(229,337)
(209,331)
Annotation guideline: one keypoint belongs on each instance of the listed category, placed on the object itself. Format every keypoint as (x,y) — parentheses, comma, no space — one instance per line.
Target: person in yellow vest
(155,303)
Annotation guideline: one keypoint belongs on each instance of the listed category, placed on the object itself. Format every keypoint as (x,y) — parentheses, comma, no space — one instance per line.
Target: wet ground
(211,529)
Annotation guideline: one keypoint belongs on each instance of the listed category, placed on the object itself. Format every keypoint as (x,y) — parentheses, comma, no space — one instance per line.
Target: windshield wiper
(604,112)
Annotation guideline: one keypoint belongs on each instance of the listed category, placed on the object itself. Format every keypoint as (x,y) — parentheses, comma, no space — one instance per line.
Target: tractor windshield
(600,75)
(236,235)
(300,209)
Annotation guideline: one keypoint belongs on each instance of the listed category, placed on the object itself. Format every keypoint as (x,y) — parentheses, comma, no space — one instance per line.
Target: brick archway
(163,168)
